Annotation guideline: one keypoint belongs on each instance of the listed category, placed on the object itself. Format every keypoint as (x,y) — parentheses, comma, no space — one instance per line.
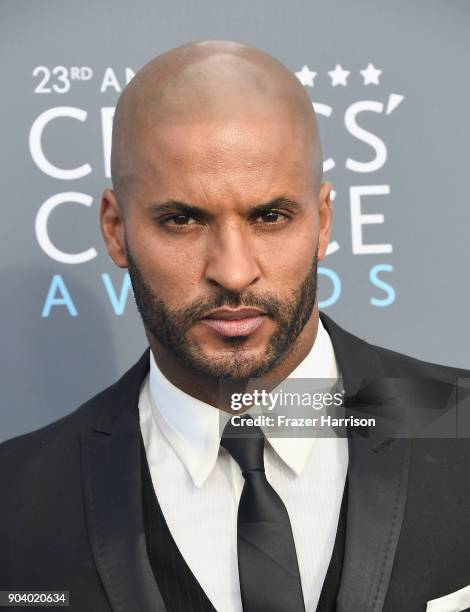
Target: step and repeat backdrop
(390,86)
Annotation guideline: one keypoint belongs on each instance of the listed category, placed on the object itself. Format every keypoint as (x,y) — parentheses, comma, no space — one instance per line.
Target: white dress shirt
(198,485)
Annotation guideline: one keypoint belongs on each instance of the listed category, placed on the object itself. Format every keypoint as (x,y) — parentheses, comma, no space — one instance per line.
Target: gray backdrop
(396,144)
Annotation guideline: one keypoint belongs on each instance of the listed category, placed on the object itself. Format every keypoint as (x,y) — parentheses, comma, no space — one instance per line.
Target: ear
(113,228)
(325,215)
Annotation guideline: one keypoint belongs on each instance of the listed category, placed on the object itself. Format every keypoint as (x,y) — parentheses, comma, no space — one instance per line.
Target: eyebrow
(175,206)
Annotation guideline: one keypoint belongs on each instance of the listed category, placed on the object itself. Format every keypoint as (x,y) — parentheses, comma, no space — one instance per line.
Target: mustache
(270,304)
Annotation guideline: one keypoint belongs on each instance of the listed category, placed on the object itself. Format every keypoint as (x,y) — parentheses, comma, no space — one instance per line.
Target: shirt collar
(192,426)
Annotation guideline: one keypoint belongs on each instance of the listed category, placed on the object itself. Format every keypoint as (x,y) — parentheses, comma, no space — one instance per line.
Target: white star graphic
(338,76)
(306,76)
(371,74)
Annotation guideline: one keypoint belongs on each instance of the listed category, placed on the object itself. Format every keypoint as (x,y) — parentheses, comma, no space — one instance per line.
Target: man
(133,501)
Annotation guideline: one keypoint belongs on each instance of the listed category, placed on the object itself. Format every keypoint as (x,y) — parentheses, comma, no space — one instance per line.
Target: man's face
(183,264)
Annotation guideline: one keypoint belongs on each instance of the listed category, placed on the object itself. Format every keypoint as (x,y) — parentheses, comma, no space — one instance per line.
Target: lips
(234,313)
(234,322)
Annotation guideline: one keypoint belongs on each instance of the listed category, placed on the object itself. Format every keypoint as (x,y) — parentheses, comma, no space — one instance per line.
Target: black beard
(169,327)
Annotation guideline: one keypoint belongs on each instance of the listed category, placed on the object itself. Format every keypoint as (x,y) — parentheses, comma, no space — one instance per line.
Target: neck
(207,389)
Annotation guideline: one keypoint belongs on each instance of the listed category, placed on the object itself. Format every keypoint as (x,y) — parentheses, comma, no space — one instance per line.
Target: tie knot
(245,443)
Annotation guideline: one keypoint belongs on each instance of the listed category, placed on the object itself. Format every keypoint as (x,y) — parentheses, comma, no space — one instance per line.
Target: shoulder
(360,353)
(400,364)
(60,439)
(57,439)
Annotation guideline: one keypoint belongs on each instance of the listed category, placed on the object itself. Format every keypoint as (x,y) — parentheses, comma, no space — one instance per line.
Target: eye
(272,216)
(179,220)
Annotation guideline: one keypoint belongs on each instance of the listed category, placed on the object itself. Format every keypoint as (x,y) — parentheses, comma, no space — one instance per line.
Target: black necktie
(267,561)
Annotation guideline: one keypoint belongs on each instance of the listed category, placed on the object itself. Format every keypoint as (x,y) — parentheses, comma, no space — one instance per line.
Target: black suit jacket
(71,510)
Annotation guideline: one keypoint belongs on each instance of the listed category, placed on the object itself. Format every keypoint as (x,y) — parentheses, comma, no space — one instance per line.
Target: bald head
(208,83)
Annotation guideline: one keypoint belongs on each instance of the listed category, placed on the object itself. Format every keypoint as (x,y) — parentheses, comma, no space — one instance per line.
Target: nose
(231,261)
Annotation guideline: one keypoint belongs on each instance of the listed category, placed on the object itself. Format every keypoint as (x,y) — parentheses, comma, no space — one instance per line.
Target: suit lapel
(111,471)
(376,503)
(378,476)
